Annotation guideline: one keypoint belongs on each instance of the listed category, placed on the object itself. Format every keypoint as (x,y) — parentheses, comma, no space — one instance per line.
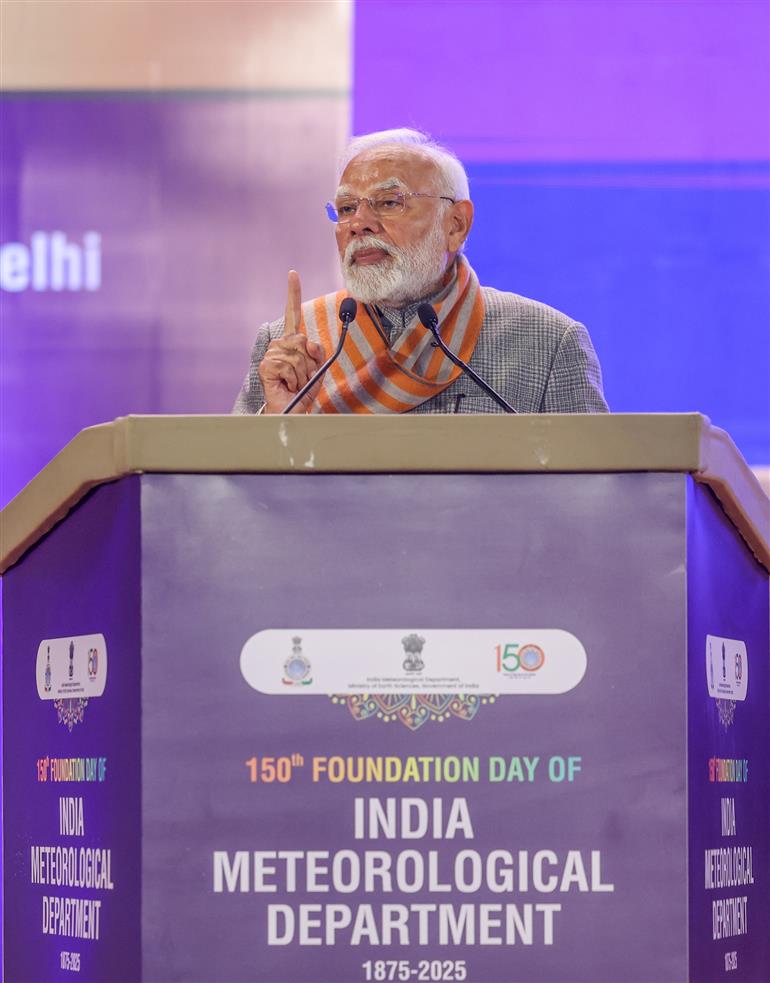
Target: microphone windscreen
(427,315)
(348,309)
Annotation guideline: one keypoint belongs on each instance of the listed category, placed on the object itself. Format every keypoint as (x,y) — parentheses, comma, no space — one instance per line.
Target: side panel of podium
(571,805)
(71,765)
(728,749)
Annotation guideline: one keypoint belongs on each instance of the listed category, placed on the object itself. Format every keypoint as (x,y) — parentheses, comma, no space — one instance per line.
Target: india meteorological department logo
(727,675)
(297,668)
(415,676)
(413,645)
(514,659)
(69,672)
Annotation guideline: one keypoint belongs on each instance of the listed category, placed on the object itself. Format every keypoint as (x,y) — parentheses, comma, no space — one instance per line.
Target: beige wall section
(294,45)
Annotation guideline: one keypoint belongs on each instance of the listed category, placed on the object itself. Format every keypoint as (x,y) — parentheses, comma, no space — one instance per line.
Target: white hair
(454,180)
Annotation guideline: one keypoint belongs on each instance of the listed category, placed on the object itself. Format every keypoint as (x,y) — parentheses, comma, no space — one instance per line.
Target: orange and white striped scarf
(369,376)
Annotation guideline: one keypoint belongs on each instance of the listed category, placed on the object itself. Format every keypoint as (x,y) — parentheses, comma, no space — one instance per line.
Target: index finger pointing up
(293,316)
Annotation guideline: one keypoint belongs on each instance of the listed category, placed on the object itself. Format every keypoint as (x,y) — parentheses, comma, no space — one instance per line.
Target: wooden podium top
(524,443)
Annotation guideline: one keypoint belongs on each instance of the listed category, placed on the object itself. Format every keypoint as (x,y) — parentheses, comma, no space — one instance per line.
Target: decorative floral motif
(726,710)
(413,710)
(70,712)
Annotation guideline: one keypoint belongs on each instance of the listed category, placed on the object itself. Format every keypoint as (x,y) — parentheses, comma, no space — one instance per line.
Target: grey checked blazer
(539,360)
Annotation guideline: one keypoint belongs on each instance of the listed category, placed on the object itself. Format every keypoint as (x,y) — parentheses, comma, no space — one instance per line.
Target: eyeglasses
(385,204)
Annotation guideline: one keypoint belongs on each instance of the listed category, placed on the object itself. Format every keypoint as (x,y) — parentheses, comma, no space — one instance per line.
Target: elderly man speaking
(402,214)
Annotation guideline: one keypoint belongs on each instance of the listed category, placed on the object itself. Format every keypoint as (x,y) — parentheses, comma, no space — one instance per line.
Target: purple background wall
(618,156)
(201,202)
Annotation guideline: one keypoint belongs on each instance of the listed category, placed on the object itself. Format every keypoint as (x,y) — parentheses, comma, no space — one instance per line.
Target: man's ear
(460,222)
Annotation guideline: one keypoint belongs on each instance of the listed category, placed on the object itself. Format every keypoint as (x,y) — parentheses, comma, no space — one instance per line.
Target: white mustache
(366,242)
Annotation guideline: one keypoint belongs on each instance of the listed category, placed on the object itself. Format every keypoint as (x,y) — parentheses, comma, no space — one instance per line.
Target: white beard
(408,275)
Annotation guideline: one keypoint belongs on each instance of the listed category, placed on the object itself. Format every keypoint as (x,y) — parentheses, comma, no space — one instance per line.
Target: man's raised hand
(292,360)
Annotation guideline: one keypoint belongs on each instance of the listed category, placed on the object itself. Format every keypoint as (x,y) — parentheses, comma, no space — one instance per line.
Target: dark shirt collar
(397,318)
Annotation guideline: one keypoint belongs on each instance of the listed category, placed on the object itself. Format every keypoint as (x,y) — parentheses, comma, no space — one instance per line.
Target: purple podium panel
(388,727)
(728,728)
(72,759)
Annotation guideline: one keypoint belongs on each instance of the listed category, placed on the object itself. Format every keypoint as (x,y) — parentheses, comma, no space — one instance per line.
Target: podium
(318,700)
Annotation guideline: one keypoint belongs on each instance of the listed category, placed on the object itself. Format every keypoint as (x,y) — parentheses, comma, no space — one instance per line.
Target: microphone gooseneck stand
(429,318)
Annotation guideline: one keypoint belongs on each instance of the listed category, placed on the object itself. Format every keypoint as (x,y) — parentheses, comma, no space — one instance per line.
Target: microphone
(347,313)
(429,318)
